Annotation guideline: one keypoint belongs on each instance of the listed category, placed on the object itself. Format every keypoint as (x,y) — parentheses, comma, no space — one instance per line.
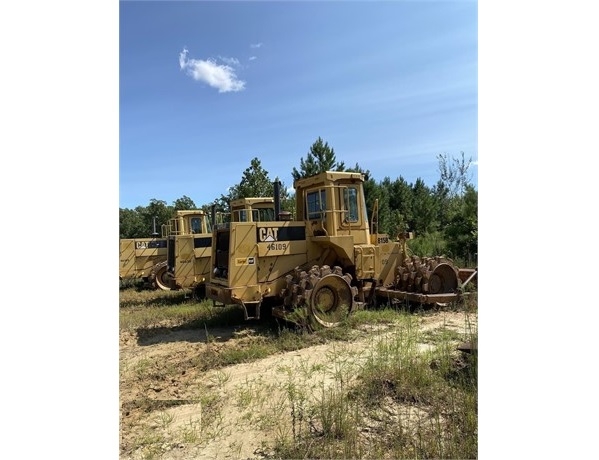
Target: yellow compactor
(326,262)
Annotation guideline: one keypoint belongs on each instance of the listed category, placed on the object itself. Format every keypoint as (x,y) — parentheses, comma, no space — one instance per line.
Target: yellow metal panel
(137,258)
(184,261)
(365,260)
(390,257)
(273,268)
(127,258)
(281,248)
(342,245)
(243,255)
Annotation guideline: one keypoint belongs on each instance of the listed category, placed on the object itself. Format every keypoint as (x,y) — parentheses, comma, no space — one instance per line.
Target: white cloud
(229,61)
(220,76)
(252,58)
(255,45)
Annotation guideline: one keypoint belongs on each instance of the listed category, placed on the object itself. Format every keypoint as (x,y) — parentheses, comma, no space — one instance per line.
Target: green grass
(397,401)
(402,403)
(154,309)
(150,313)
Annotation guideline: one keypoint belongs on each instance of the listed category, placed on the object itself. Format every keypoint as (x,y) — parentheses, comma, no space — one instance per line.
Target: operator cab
(187,222)
(253,210)
(333,204)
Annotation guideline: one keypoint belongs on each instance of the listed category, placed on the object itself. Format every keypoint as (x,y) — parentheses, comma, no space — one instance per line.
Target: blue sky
(207,86)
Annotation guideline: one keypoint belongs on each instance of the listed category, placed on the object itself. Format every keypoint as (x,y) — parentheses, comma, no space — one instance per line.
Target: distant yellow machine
(138,256)
(189,243)
(146,258)
(327,262)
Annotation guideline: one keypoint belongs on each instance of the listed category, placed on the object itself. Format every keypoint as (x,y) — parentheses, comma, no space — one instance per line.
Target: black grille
(170,255)
(222,249)
(157,244)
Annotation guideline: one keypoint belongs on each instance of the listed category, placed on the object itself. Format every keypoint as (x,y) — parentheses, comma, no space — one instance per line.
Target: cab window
(267,215)
(316,203)
(196,225)
(350,198)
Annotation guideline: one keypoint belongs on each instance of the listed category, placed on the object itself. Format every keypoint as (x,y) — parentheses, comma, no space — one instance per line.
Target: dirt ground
(163,369)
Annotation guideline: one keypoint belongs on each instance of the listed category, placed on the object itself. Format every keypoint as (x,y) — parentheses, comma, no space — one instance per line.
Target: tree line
(444,217)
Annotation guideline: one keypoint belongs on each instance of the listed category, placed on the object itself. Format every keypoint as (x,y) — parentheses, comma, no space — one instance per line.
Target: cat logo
(268,234)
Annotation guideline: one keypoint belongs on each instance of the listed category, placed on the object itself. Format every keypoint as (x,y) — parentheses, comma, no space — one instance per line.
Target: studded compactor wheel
(158,277)
(322,296)
(444,278)
(331,300)
(428,275)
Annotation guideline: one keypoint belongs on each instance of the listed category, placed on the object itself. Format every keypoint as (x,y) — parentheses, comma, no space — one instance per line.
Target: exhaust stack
(277,197)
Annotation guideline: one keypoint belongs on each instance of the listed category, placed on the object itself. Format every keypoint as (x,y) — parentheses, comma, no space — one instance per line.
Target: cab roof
(328,176)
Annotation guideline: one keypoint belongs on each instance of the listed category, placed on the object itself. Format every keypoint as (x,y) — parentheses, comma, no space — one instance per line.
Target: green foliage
(287,197)
(254,183)
(450,190)
(445,203)
(221,205)
(131,224)
(184,203)
(392,218)
(401,198)
(424,208)
(429,244)
(378,222)
(397,224)
(462,229)
(319,159)
(143,221)
(157,211)
(454,173)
